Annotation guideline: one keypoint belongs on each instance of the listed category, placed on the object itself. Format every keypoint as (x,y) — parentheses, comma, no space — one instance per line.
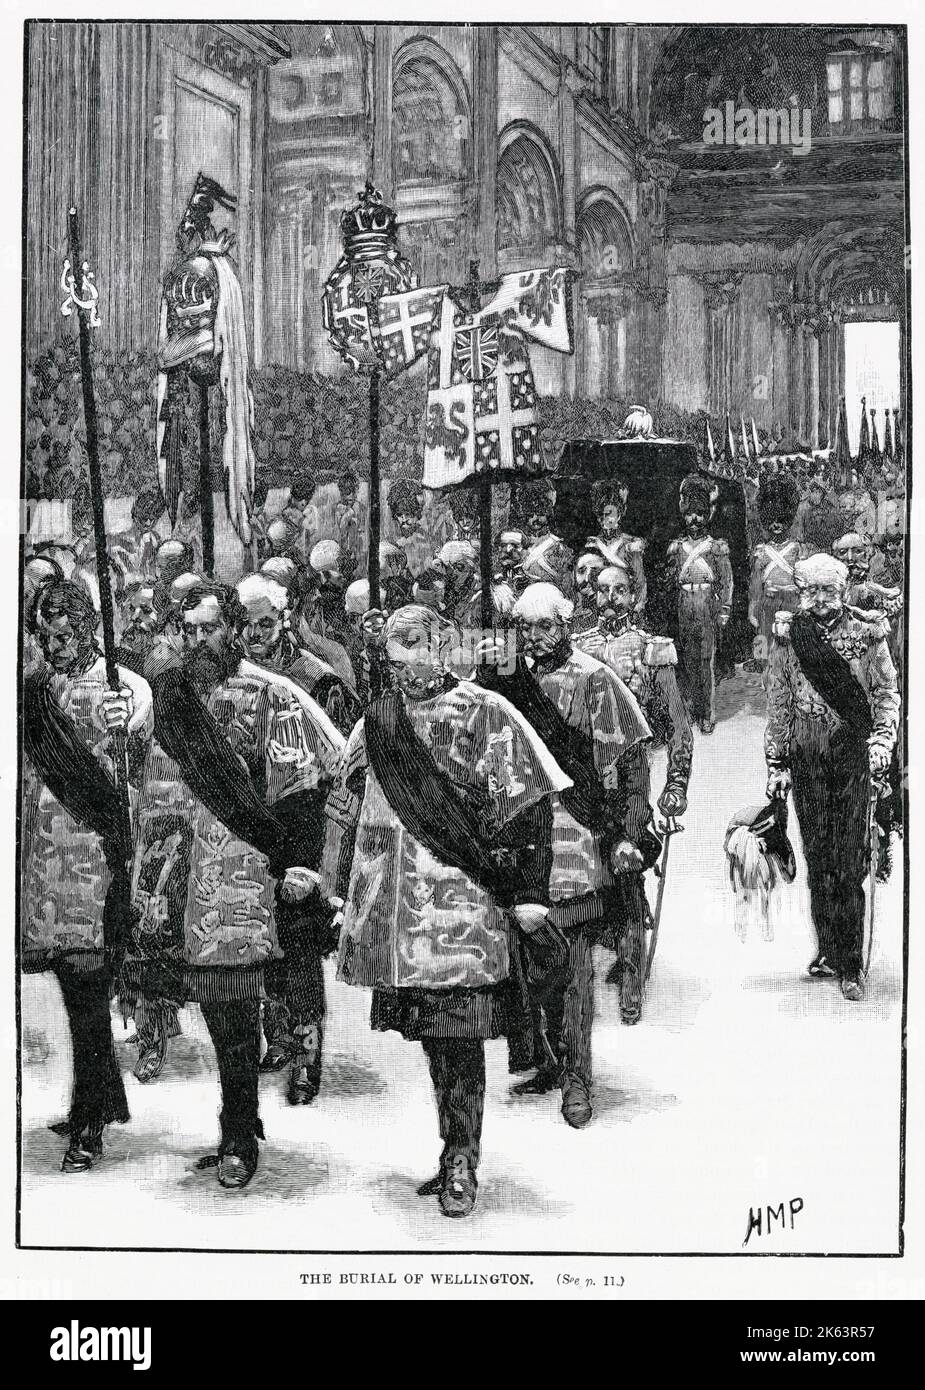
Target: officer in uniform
(772,586)
(856,552)
(616,545)
(647,665)
(833,715)
(703,575)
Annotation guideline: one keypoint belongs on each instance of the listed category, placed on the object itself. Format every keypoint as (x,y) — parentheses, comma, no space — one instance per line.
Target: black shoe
(83,1152)
(576,1103)
(544,1081)
(277,1055)
(304,1081)
(820,969)
(151,1059)
(433,1186)
(852,987)
(62,1127)
(458,1194)
(237,1169)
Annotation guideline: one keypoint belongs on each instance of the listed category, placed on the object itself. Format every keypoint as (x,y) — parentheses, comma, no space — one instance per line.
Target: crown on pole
(369,227)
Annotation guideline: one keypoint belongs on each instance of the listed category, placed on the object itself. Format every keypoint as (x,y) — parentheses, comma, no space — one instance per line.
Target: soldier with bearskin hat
(548,559)
(609,498)
(703,574)
(772,587)
(406,507)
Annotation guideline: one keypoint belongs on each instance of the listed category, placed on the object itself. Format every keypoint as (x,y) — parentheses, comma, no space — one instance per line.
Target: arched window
(528,197)
(605,251)
(431,137)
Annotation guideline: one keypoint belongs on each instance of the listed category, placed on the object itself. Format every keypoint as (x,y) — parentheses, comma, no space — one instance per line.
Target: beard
(206,667)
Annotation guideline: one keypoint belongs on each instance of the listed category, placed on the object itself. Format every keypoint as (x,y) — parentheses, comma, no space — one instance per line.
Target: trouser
(631,949)
(235,1032)
(568,1013)
(696,653)
(831,791)
(457,1070)
(295,984)
(98,1096)
(153,1016)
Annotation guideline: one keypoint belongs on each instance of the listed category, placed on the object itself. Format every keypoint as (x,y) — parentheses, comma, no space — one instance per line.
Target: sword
(670,827)
(876,787)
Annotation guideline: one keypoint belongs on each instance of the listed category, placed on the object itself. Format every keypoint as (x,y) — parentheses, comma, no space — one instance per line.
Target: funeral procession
(462,635)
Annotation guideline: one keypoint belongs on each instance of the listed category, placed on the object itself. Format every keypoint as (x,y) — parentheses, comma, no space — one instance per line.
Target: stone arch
(431,116)
(529,197)
(604,329)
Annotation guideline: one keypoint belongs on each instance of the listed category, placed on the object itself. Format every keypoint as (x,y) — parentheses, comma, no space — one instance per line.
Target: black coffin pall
(653,470)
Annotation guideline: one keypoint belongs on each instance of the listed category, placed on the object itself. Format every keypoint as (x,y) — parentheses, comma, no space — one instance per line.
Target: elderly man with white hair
(833,716)
(594,728)
(293,1012)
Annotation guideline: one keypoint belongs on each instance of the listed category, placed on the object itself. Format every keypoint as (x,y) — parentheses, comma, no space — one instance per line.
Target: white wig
(255,586)
(541,602)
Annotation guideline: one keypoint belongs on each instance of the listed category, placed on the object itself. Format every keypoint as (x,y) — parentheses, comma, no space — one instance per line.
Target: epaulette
(721,547)
(877,624)
(781,626)
(636,546)
(660,651)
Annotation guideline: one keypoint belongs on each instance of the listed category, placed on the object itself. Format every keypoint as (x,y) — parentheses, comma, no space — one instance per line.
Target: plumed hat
(758,855)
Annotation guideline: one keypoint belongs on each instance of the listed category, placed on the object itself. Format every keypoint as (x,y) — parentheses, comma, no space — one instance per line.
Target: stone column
(382,111)
(126,128)
(485,144)
(655,173)
(63,169)
(720,297)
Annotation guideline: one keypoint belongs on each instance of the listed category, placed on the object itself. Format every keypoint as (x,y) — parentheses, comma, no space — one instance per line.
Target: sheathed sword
(670,827)
(873,832)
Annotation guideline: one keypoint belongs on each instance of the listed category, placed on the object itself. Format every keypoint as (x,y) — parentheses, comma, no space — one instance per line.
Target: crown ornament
(369,228)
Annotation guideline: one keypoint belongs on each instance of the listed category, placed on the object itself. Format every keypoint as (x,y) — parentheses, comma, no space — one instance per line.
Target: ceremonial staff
(83,295)
(371,266)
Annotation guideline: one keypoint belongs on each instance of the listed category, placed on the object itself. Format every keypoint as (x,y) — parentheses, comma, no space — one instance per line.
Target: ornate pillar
(720,297)
(655,173)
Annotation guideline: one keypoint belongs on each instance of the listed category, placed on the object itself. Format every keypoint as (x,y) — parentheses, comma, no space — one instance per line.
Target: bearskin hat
(778,499)
(528,497)
(698,490)
(406,496)
(609,492)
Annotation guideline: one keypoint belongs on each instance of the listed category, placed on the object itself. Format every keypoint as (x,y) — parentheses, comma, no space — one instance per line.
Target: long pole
(119,741)
(206,506)
(485,565)
(375,508)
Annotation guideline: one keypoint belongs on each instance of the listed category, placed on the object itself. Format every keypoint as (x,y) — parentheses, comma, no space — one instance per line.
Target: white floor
(746,1085)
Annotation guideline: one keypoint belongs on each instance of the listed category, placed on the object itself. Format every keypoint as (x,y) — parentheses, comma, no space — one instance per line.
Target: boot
(305,1072)
(460,1190)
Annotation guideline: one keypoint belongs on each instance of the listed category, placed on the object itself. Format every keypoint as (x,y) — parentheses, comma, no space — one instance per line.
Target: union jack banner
(481,396)
(477,351)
